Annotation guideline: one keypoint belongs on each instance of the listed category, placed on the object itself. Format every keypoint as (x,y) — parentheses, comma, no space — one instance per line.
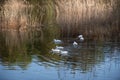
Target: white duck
(59,47)
(64,53)
(55,50)
(75,43)
(56,41)
(81,37)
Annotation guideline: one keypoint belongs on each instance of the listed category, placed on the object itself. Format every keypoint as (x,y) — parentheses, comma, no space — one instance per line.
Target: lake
(88,61)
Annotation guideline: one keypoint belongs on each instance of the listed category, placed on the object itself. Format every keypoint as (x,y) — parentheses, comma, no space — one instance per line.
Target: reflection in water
(27,31)
(96,61)
(13,48)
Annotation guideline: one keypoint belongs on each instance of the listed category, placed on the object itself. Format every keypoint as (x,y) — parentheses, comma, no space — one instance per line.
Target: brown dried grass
(94,18)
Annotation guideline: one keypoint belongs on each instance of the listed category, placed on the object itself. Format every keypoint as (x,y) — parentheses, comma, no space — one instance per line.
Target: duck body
(56,41)
(55,50)
(63,53)
(81,38)
(59,52)
(59,47)
(75,43)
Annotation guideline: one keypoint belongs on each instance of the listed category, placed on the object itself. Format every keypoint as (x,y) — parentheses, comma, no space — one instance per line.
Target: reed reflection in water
(90,60)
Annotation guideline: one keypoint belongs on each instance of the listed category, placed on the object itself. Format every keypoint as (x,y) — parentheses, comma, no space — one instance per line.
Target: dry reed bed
(18,15)
(88,17)
(17,25)
(96,19)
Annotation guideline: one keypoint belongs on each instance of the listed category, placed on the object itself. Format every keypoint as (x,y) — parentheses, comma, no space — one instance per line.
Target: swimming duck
(75,43)
(81,37)
(55,50)
(56,41)
(63,53)
(59,47)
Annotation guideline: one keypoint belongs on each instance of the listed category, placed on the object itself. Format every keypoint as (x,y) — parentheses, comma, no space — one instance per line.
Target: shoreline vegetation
(95,19)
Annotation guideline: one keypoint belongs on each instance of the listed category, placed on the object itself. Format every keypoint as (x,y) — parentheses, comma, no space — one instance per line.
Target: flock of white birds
(60,50)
